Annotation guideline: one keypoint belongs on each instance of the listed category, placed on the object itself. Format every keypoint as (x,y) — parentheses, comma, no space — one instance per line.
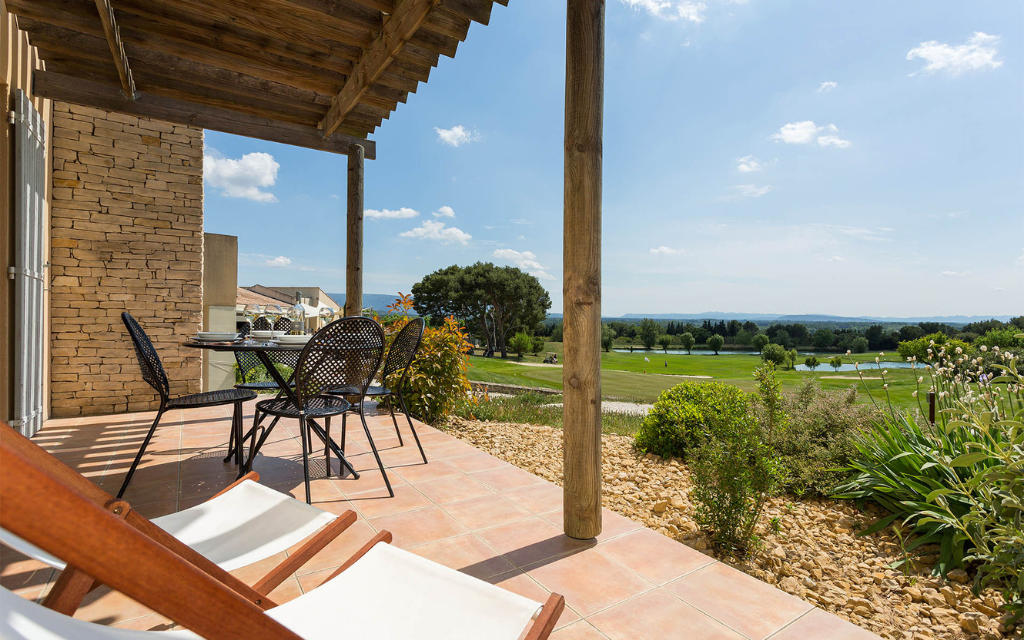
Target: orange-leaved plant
(437,377)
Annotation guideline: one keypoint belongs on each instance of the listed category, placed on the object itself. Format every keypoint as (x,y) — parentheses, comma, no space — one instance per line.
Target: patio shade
(321,74)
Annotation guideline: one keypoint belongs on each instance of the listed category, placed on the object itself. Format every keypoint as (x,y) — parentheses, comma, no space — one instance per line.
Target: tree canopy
(493,302)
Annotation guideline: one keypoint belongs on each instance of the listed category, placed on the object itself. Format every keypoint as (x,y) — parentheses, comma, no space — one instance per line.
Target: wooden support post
(354,251)
(581,289)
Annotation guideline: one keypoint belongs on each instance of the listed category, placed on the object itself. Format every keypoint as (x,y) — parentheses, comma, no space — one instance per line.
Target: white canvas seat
(388,594)
(246,524)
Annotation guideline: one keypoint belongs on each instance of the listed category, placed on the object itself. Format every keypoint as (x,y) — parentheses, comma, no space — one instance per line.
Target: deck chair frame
(41,507)
(73,584)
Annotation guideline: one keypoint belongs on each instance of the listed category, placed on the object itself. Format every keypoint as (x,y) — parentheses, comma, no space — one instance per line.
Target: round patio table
(261,349)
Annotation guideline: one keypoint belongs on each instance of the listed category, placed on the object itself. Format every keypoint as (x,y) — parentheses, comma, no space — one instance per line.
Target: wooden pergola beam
(113,35)
(581,288)
(398,29)
(354,239)
(55,86)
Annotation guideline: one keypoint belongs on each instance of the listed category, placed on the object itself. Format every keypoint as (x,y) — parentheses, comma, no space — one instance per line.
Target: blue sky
(774,156)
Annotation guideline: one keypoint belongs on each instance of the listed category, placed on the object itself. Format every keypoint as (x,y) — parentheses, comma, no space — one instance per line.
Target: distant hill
(769,317)
(377,301)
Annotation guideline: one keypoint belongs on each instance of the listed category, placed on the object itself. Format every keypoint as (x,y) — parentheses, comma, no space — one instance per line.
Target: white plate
(267,335)
(293,339)
(215,336)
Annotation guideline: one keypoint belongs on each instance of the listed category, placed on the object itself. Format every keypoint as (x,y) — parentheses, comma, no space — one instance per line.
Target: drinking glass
(326,314)
(298,317)
(273,313)
(251,312)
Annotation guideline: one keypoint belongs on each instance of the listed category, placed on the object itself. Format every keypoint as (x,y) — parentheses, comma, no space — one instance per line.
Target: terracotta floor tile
(375,504)
(518,582)
(507,478)
(370,481)
(818,624)
(465,553)
(580,630)
(446,450)
(476,462)
(416,473)
(656,615)
(612,524)
(529,541)
(589,581)
(104,606)
(486,511)
(540,498)
(150,622)
(653,556)
(746,604)
(413,528)
(454,488)
(21,574)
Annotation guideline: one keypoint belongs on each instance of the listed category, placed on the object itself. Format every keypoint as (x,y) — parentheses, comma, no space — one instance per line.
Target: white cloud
(806,132)
(837,259)
(525,260)
(334,196)
(979,52)
(750,190)
(748,164)
(390,214)
(523,221)
(663,250)
(827,86)
(434,230)
(456,136)
(279,261)
(956,274)
(444,212)
(669,10)
(241,178)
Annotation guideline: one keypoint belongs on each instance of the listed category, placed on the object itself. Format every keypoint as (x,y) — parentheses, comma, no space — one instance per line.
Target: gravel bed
(615,406)
(815,554)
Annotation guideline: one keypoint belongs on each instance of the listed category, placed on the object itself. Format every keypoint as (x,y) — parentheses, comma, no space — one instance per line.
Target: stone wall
(127,234)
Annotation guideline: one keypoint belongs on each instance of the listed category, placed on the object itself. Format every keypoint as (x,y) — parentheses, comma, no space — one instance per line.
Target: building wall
(127,234)
(17,60)
(220,286)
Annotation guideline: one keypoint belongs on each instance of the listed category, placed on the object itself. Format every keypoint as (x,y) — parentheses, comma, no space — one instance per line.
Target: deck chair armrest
(382,536)
(545,622)
(252,475)
(312,546)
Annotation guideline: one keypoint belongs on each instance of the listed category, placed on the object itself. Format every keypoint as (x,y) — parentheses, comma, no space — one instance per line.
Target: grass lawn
(626,375)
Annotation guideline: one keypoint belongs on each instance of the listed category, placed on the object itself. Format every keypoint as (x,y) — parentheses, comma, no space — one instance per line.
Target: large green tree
(495,302)
(649,332)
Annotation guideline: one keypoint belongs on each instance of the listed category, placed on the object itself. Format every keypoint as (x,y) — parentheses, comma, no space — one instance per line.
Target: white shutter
(29,262)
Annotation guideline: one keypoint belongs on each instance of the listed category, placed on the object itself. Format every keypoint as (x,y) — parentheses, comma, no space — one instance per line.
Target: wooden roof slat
(402,25)
(69,89)
(113,36)
(285,68)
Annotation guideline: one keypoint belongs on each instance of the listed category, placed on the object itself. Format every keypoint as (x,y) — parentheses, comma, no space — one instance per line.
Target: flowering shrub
(437,377)
(959,482)
(925,350)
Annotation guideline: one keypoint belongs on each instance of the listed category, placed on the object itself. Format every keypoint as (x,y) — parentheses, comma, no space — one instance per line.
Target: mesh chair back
(152,369)
(248,361)
(345,353)
(261,324)
(403,349)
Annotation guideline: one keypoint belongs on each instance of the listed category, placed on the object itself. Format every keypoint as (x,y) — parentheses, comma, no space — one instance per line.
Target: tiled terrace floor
(465,509)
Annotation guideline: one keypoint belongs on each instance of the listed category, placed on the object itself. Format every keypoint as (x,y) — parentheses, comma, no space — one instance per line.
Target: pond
(866,367)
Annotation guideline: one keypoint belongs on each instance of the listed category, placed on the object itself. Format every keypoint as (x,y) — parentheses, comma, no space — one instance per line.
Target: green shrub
(927,349)
(811,362)
(538,345)
(959,483)
(835,362)
(774,354)
(437,377)
(520,343)
(818,443)
(1002,338)
(759,341)
(859,344)
(687,414)
(715,343)
(735,471)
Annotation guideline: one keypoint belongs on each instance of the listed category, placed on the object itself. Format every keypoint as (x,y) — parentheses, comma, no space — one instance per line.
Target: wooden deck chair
(381,592)
(243,524)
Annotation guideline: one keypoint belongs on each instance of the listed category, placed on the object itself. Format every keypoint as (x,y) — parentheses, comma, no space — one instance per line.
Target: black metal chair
(248,362)
(347,352)
(154,374)
(399,358)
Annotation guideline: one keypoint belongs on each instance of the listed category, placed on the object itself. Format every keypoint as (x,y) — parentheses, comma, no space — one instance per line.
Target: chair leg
(391,408)
(327,446)
(304,435)
(405,410)
(231,439)
(239,441)
(391,492)
(142,450)
(342,447)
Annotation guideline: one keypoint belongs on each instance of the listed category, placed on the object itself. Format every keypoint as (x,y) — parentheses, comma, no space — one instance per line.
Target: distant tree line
(647,332)
(494,303)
